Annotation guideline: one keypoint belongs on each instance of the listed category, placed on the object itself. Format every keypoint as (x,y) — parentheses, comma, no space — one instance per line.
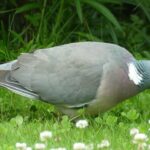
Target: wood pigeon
(91,75)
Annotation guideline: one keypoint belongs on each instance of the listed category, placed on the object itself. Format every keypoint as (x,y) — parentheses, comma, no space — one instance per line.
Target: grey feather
(14,86)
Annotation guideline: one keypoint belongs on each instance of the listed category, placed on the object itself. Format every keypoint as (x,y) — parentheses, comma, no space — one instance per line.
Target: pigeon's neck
(142,74)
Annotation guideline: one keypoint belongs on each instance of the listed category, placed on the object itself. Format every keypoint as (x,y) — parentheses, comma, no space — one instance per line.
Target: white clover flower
(81,123)
(28,148)
(45,135)
(140,138)
(149,121)
(103,144)
(134,131)
(148,147)
(149,129)
(40,146)
(79,146)
(21,146)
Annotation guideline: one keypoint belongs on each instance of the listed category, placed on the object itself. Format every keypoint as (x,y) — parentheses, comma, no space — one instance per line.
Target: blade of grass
(144,8)
(79,10)
(20,35)
(4,52)
(65,25)
(11,20)
(4,33)
(88,36)
(111,1)
(70,34)
(17,37)
(41,21)
(105,11)
(58,20)
(7,11)
(144,5)
(113,34)
(27,7)
(131,2)
(145,36)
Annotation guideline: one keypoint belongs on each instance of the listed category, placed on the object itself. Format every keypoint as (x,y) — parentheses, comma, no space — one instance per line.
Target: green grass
(21,120)
(26,26)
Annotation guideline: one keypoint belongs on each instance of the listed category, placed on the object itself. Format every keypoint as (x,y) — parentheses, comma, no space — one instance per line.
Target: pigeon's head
(139,74)
(144,69)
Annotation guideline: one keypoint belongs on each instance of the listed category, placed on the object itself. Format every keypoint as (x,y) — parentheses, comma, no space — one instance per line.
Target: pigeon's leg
(72,113)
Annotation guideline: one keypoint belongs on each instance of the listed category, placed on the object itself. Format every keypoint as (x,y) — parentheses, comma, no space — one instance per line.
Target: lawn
(22,120)
(29,25)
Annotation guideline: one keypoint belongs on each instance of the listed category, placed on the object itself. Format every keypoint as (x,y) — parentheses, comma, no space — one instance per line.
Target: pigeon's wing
(66,75)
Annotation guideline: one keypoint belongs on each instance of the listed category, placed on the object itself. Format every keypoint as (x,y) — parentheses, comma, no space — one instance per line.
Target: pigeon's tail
(7,66)
(14,86)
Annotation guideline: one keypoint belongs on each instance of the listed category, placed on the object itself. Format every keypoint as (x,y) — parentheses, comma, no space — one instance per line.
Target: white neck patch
(134,74)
